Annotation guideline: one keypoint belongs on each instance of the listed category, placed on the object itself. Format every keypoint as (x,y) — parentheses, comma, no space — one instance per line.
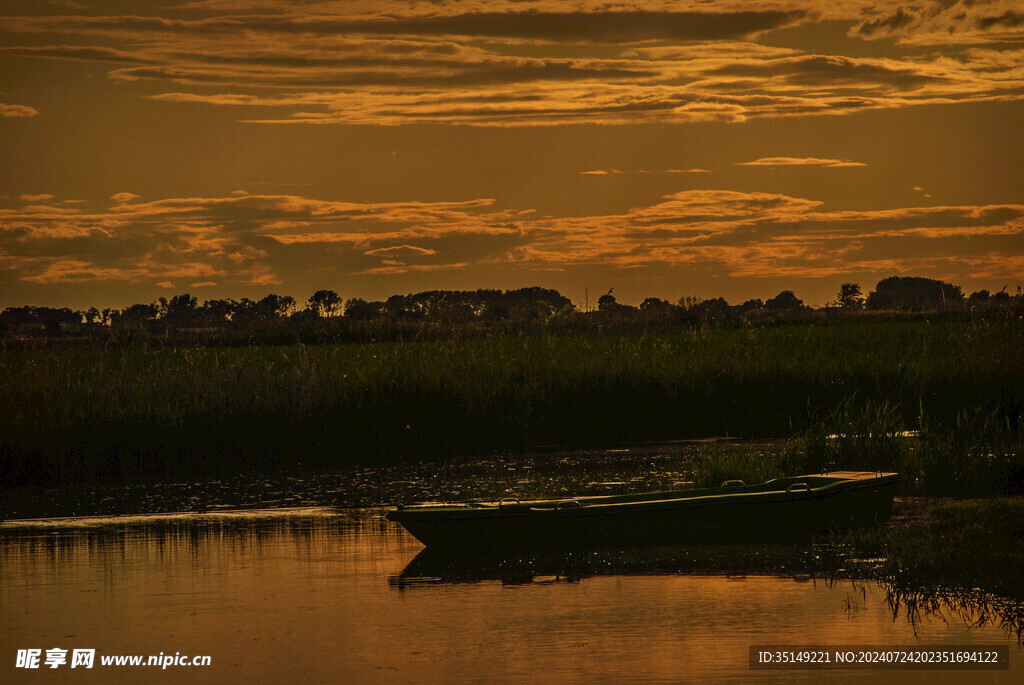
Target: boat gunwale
(599,505)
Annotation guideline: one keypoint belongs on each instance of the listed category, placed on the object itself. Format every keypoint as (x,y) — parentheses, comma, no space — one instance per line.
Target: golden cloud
(499,64)
(801,161)
(267,239)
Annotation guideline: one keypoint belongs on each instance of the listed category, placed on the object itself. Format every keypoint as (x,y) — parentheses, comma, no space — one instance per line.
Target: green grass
(70,414)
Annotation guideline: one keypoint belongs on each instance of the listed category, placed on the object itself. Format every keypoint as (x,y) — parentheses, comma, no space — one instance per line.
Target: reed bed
(72,414)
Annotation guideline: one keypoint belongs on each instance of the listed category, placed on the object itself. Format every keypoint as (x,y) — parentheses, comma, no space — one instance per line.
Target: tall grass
(976,453)
(868,435)
(88,413)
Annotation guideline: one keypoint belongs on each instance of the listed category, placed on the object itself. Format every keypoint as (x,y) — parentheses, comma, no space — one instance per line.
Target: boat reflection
(799,561)
(829,563)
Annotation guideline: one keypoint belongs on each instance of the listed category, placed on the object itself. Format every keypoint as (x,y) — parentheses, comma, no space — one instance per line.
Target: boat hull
(754,514)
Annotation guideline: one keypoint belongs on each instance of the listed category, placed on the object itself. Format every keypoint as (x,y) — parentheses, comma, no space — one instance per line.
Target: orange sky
(231,148)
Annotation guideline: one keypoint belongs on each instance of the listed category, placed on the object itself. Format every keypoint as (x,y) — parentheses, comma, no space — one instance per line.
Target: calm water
(322,595)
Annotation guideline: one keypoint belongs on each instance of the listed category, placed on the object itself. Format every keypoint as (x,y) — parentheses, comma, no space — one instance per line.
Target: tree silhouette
(785,300)
(606,302)
(850,297)
(979,296)
(218,312)
(913,293)
(358,309)
(749,305)
(324,303)
(275,306)
(181,310)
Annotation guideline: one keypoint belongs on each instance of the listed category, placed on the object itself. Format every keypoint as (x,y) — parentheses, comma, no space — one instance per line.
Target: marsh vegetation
(847,391)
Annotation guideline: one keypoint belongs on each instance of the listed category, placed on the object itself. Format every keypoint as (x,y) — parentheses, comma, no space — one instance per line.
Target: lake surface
(315,594)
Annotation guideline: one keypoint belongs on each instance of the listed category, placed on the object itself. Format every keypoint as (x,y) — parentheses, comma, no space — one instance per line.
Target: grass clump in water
(976,454)
(961,545)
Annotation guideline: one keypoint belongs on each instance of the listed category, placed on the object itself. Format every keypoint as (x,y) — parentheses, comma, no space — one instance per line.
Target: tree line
(481,310)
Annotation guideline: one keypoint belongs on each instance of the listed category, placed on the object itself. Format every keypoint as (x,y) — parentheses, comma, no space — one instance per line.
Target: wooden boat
(784,508)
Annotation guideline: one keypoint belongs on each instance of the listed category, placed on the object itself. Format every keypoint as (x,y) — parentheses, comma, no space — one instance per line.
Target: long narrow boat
(784,508)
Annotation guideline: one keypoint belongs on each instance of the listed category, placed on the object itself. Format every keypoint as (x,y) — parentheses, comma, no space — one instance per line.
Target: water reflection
(322,595)
(973,608)
(543,475)
(796,561)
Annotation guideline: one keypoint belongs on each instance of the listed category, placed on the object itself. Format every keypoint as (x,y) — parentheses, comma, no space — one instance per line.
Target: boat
(780,509)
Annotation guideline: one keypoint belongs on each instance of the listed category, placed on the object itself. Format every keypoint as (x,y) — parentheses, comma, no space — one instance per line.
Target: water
(539,475)
(313,595)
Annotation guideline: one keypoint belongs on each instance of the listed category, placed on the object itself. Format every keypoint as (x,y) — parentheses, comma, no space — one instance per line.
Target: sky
(230,148)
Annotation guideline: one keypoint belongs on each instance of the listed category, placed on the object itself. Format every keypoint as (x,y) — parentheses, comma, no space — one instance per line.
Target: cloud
(601,27)
(399,268)
(615,172)
(616,26)
(952,22)
(889,24)
(717,50)
(274,239)
(42,197)
(531,63)
(834,71)
(801,161)
(231,239)
(75,53)
(17,111)
(76,271)
(401,251)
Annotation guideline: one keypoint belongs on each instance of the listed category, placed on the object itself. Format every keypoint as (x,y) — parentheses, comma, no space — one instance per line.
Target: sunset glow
(231,148)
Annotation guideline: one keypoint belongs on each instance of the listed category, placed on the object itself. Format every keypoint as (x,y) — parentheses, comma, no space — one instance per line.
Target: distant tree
(443,305)
(17,316)
(91,315)
(654,303)
(979,296)
(785,300)
(402,308)
(536,302)
(244,311)
(850,296)
(658,308)
(606,302)
(359,309)
(181,310)
(913,293)
(749,305)
(139,312)
(275,306)
(137,318)
(324,303)
(21,315)
(496,309)
(608,305)
(715,308)
(489,303)
(688,302)
(218,312)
